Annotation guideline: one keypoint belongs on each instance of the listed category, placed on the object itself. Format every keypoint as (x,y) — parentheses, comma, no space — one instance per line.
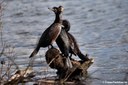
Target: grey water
(99,26)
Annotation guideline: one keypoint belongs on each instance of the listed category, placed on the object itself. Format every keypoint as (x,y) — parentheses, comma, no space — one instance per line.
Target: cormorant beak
(51,9)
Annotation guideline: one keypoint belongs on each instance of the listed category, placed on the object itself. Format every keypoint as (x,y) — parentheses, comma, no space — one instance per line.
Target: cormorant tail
(34,52)
(83,57)
(68,62)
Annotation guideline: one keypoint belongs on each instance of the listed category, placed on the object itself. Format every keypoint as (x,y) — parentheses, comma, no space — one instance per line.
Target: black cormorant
(74,47)
(52,32)
(64,46)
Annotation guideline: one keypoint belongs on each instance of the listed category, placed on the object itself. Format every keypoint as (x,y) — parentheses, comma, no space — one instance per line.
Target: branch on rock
(56,61)
(20,76)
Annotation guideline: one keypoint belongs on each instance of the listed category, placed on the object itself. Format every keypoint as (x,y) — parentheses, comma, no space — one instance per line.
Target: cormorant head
(60,9)
(57,10)
(66,25)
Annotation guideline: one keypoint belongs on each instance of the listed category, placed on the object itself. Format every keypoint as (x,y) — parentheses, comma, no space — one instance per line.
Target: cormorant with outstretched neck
(74,48)
(52,32)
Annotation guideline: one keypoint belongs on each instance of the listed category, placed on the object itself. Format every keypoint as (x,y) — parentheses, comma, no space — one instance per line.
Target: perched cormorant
(74,48)
(52,32)
(64,45)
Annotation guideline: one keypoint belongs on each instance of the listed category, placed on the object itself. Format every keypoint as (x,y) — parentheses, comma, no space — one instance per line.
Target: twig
(1,2)
(69,74)
(53,60)
(2,52)
(84,66)
(1,72)
(10,58)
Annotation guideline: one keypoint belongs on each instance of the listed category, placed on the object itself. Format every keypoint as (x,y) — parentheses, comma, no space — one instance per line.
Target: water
(100,27)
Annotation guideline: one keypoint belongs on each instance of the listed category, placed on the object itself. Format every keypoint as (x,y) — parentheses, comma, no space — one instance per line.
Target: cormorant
(52,32)
(74,47)
(64,46)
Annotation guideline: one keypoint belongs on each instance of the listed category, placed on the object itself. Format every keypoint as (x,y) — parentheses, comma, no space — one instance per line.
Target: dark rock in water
(55,60)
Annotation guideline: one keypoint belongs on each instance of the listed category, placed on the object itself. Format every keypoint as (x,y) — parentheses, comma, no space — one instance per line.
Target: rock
(56,61)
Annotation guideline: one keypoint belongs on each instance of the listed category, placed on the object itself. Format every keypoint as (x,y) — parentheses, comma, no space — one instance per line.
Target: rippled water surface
(99,26)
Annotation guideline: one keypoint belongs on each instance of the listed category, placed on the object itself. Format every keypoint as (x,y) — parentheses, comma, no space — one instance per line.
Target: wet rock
(56,61)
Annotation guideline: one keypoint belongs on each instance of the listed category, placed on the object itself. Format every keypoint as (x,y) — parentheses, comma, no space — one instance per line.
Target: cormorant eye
(55,9)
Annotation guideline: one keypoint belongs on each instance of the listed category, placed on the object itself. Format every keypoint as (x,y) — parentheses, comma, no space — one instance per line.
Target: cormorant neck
(58,18)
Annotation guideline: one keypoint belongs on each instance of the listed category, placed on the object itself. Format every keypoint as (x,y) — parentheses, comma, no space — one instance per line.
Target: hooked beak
(51,9)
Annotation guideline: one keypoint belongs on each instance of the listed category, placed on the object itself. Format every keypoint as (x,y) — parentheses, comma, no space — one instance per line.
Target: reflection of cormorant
(74,48)
(52,32)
